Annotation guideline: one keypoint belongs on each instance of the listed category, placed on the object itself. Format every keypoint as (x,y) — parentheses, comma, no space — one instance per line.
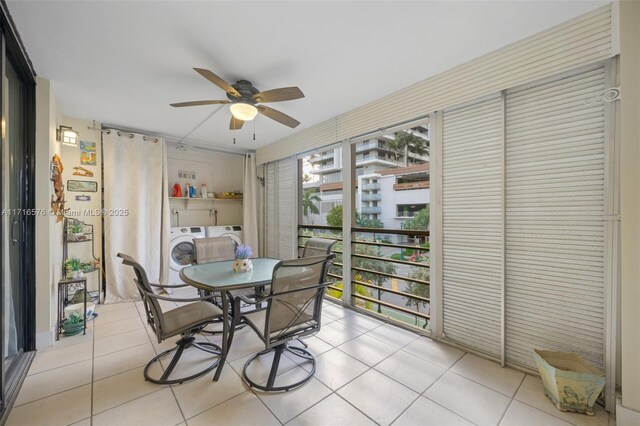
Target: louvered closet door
(554,231)
(472,225)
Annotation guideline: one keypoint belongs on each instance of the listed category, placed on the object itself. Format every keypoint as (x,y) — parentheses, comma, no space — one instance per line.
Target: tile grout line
(263,403)
(483,385)
(504,413)
(546,412)
(421,394)
(310,407)
(369,368)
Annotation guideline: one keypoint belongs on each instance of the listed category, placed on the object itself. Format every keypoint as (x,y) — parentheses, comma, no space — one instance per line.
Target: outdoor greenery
(334,218)
(419,222)
(418,289)
(403,142)
(309,200)
(359,289)
(406,254)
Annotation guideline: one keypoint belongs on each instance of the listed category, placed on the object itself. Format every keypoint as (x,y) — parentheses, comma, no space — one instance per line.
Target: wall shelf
(187,201)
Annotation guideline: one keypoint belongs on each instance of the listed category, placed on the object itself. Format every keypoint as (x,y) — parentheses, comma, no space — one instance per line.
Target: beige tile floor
(367,373)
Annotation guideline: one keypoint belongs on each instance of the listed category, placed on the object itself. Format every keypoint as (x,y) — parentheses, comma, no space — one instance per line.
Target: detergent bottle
(177,190)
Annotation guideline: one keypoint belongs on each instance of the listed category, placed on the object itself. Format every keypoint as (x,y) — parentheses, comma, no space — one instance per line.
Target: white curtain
(250,204)
(137,219)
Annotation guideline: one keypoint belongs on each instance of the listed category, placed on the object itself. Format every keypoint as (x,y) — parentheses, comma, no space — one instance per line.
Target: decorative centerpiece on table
(243,262)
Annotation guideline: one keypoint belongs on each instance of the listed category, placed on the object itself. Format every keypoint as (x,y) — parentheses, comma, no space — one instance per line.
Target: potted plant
(243,262)
(74,324)
(72,266)
(76,230)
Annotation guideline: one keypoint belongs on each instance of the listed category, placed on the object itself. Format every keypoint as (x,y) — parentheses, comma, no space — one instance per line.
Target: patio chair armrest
(180,299)
(168,286)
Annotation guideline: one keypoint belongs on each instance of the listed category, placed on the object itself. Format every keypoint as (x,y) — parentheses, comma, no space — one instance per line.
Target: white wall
(220,172)
(70,157)
(48,232)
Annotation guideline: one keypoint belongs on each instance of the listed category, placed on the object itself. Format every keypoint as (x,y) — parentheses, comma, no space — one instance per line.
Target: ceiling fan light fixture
(243,111)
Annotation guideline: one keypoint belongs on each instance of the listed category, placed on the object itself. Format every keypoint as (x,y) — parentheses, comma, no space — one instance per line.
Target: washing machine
(182,251)
(232,231)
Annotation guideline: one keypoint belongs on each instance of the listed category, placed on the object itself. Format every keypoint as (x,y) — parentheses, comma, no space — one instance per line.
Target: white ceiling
(122,63)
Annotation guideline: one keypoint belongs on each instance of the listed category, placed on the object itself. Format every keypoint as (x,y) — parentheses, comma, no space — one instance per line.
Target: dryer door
(183,252)
(236,239)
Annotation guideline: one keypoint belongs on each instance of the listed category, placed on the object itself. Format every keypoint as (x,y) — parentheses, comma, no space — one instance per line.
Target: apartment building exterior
(392,186)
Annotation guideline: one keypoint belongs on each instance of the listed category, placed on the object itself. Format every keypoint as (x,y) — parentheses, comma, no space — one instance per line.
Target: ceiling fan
(244,100)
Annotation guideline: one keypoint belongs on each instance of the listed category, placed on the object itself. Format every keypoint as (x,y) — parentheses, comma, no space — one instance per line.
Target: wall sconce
(67,136)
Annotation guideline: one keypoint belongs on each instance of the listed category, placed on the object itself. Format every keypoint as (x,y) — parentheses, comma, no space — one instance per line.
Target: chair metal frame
(323,244)
(279,343)
(155,319)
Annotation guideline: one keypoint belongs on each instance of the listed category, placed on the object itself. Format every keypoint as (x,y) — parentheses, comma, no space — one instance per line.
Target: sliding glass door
(12,205)
(17,146)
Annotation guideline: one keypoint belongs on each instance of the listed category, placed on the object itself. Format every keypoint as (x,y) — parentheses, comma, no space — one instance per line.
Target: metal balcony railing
(325,166)
(321,157)
(333,233)
(371,210)
(371,186)
(390,274)
(389,271)
(371,197)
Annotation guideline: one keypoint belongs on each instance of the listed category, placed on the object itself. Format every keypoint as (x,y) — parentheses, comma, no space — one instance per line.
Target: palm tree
(308,202)
(403,142)
(396,146)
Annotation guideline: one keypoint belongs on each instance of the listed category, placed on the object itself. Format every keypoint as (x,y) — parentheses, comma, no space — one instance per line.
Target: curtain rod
(132,135)
(175,141)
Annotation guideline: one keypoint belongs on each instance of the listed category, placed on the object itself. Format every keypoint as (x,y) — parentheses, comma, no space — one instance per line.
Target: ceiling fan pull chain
(234,141)
(254,130)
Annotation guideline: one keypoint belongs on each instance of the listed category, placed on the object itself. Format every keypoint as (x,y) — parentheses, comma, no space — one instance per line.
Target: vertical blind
(523,207)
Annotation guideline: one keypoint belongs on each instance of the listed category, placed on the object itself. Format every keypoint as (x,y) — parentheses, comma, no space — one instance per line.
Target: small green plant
(75,227)
(74,318)
(72,264)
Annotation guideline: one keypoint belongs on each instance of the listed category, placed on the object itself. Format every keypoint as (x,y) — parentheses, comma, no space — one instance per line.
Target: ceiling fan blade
(235,124)
(279,95)
(278,116)
(209,75)
(198,103)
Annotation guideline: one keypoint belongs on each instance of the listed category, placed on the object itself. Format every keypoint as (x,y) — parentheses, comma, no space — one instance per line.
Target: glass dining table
(218,277)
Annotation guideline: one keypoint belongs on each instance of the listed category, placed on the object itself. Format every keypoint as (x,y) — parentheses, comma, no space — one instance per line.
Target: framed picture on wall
(87,153)
(82,186)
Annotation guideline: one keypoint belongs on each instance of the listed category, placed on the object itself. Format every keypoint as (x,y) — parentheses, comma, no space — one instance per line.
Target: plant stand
(63,299)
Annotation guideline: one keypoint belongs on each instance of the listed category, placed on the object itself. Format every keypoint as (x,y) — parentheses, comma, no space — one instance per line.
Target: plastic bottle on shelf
(186,190)
(177,190)
(192,191)
(203,190)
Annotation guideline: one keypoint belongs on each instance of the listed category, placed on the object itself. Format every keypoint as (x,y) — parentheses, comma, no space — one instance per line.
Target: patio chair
(214,249)
(293,310)
(318,247)
(217,249)
(185,321)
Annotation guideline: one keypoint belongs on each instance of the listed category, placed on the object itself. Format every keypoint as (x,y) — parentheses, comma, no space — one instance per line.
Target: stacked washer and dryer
(182,250)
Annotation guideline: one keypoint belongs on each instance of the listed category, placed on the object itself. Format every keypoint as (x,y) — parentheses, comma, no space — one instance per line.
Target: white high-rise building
(391,186)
